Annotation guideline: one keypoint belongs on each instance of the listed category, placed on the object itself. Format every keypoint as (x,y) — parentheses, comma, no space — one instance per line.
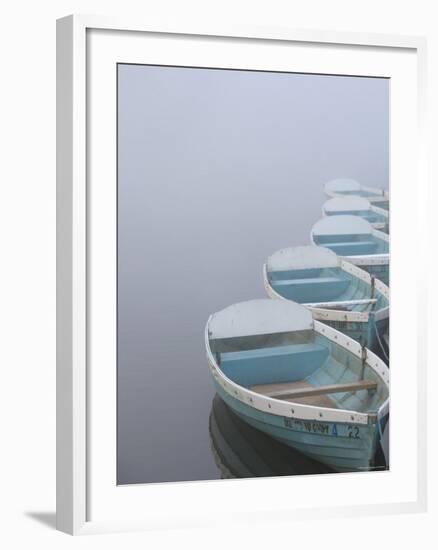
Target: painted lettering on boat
(352,432)
(309,426)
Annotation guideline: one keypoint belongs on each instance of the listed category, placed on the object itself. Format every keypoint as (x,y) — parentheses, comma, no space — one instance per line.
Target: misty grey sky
(217,170)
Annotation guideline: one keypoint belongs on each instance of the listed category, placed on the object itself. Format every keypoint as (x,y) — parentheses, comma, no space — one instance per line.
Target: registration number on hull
(323,428)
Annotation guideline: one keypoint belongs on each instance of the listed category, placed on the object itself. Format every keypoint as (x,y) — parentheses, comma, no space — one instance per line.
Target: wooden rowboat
(346,187)
(337,292)
(299,380)
(358,206)
(355,240)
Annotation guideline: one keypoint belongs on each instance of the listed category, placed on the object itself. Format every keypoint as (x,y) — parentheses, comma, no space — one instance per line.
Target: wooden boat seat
(316,400)
(303,392)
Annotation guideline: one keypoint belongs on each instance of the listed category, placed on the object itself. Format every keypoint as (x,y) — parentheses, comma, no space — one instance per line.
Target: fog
(217,169)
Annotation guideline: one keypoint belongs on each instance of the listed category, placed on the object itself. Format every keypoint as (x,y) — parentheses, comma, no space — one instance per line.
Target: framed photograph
(240,240)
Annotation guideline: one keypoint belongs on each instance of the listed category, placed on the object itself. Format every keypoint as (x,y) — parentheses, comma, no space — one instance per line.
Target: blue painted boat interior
(312,359)
(353,245)
(273,365)
(324,285)
(369,215)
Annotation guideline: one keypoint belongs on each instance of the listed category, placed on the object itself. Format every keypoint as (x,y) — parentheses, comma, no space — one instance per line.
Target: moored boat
(346,187)
(355,240)
(358,206)
(337,292)
(299,380)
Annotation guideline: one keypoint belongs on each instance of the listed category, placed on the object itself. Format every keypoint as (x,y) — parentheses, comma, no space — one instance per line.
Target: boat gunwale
(301,411)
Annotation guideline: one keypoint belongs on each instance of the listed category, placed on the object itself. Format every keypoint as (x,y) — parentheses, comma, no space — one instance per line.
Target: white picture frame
(86,499)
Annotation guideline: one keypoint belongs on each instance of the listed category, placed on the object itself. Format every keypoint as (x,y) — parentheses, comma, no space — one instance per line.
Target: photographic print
(252,273)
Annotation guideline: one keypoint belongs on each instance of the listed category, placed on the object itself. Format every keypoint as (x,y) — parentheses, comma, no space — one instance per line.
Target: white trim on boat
(321,314)
(353,269)
(382,288)
(369,259)
(334,304)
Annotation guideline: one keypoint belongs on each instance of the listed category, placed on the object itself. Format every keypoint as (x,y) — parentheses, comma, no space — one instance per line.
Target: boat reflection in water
(242,451)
